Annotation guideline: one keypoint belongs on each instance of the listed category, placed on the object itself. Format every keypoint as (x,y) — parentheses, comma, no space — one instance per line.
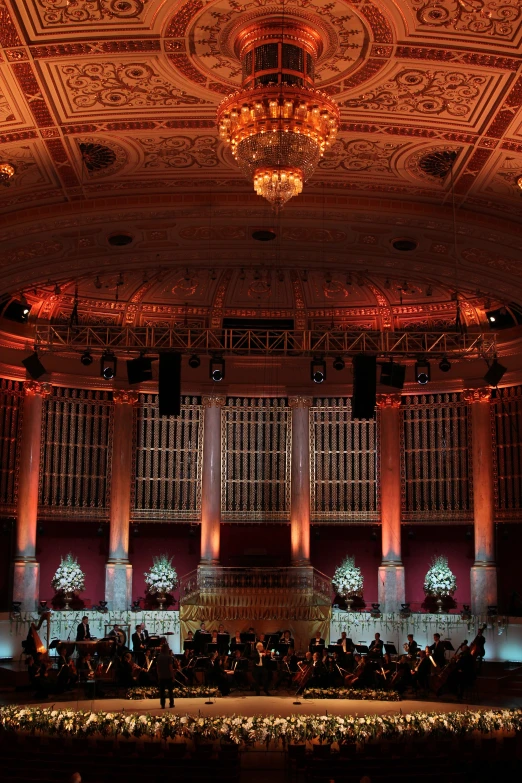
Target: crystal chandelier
(278,125)
(6,173)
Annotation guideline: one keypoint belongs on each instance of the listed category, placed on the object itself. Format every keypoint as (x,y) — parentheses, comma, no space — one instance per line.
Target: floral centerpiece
(161,578)
(348,580)
(440,581)
(69,578)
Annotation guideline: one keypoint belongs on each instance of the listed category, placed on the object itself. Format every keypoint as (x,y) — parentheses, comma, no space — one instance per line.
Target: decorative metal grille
(436,454)
(76,449)
(343,464)
(507,422)
(168,461)
(11,393)
(256,451)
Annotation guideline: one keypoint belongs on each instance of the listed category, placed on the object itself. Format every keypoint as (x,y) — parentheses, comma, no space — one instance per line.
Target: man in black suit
(376,647)
(202,638)
(346,643)
(83,632)
(411,646)
(438,650)
(316,643)
(261,670)
(139,643)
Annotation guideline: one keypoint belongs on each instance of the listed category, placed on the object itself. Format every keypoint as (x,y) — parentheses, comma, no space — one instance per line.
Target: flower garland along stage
(259,729)
(365,694)
(151,692)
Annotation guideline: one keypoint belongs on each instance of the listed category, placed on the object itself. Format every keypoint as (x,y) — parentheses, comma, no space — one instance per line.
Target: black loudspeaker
(139,370)
(169,384)
(364,386)
(393,374)
(495,373)
(34,366)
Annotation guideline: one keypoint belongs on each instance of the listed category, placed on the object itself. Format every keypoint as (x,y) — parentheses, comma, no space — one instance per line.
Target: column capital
(480,394)
(300,402)
(388,401)
(213,401)
(35,387)
(124,396)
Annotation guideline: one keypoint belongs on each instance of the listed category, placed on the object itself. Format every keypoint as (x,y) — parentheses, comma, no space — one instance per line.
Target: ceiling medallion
(7,173)
(278,125)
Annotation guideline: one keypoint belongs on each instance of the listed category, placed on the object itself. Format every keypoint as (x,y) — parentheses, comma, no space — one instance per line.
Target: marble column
(300,481)
(391,571)
(118,571)
(484,570)
(211,480)
(26,572)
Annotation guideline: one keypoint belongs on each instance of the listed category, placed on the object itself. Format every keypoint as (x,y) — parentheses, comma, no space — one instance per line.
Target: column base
(26,583)
(118,586)
(483,587)
(392,592)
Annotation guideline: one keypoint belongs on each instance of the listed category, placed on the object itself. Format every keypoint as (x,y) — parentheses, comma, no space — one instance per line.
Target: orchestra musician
(421,673)
(319,672)
(477,647)
(376,647)
(401,678)
(383,674)
(438,651)
(201,639)
(236,643)
(346,643)
(261,671)
(223,641)
(218,675)
(139,643)
(286,639)
(83,632)
(411,647)
(119,637)
(165,672)
(67,675)
(359,676)
(316,642)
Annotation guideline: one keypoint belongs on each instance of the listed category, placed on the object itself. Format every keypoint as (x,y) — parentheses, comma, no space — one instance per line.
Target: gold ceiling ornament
(7,173)
(278,125)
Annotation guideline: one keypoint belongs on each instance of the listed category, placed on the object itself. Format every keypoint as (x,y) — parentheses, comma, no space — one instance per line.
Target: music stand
(223,642)
(362,648)
(390,648)
(212,647)
(334,648)
(448,645)
(188,645)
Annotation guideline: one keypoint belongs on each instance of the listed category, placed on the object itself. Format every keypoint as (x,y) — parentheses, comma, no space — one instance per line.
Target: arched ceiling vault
(107,113)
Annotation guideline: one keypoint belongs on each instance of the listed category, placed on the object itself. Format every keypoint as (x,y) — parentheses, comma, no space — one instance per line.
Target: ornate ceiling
(107,112)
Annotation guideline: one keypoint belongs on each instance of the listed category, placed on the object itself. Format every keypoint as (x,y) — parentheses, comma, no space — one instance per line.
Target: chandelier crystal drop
(278,126)
(7,172)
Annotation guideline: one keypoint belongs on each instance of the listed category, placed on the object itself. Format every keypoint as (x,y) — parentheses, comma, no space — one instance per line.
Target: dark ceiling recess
(119,240)
(96,156)
(263,324)
(404,245)
(438,164)
(264,235)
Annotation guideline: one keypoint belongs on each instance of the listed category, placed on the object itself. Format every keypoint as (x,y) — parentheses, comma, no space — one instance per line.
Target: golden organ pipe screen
(507,432)
(76,449)
(343,463)
(168,457)
(256,451)
(10,418)
(437,462)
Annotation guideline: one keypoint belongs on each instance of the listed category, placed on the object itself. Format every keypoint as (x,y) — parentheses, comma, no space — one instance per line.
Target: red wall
(330,544)
(255,545)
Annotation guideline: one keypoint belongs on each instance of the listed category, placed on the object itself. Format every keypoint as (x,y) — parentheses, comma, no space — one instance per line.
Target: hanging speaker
(364,386)
(34,366)
(495,373)
(169,384)
(393,374)
(139,370)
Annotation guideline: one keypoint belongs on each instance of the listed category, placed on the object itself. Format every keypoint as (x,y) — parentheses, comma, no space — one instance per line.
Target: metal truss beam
(254,342)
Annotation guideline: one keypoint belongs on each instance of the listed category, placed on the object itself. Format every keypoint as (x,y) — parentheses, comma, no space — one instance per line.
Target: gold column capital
(388,401)
(300,402)
(213,401)
(35,387)
(125,396)
(480,394)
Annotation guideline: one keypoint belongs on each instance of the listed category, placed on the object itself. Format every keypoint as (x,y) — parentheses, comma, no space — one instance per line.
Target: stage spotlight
(466,612)
(16,608)
(136,605)
(445,364)
(392,374)
(318,370)
(422,371)
(500,319)
(495,373)
(194,362)
(102,606)
(86,358)
(492,610)
(405,610)
(338,363)
(108,366)
(17,310)
(376,611)
(217,369)
(34,366)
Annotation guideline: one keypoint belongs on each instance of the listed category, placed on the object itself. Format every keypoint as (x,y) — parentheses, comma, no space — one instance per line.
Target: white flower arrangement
(69,577)
(440,580)
(347,579)
(251,729)
(162,577)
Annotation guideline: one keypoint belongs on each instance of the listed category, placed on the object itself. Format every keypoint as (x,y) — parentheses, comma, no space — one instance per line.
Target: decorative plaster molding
(213,401)
(125,396)
(300,402)
(389,400)
(481,394)
(35,387)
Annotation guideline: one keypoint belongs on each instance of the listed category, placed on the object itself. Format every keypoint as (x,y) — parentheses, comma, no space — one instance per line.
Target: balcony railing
(218,579)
